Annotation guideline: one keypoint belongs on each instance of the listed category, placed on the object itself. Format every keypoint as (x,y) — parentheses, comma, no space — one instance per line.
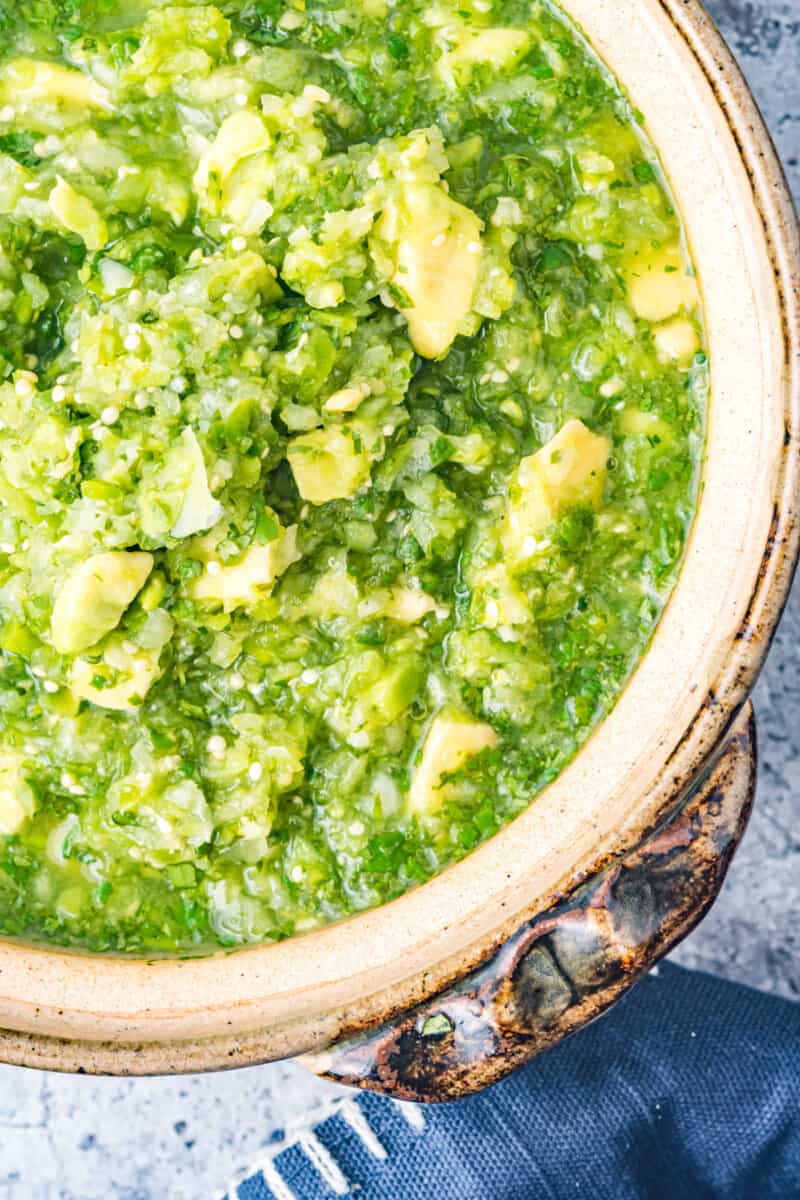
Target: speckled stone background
(65,1138)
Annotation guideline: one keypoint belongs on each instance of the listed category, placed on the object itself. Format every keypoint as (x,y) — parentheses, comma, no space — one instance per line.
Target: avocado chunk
(174,497)
(327,465)
(677,340)
(28,84)
(17,801)
(659,284)
(429,247)
(499,48)
(569,471)
(94,597)
(221,182)
(452,739)
(199,510)
(247,581)
(77,214)
(240,135)
(637,422)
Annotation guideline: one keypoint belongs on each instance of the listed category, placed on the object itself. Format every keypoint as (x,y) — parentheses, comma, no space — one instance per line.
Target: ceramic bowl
(539,929)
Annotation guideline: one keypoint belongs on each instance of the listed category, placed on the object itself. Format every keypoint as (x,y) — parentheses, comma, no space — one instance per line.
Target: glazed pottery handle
(566,965)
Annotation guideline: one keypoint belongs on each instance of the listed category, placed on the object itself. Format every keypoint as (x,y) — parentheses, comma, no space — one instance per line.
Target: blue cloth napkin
(688,1090)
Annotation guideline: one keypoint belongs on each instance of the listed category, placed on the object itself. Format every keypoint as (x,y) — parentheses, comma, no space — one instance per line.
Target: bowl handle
(568,964)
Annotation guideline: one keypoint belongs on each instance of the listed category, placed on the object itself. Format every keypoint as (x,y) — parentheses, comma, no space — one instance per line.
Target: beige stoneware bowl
(78,1012)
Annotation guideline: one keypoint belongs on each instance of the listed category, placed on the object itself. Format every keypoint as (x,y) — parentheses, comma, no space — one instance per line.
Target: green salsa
(352,395)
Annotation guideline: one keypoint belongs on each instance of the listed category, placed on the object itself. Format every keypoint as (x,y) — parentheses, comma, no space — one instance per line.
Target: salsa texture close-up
(352,394)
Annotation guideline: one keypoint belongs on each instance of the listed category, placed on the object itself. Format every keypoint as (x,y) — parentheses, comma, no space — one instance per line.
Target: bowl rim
(72,1010)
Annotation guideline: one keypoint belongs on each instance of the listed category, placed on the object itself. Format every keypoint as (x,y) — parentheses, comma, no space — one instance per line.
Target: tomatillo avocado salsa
(351,411)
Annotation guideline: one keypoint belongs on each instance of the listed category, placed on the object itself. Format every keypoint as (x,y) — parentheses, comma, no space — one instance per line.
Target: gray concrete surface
(68,1138)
